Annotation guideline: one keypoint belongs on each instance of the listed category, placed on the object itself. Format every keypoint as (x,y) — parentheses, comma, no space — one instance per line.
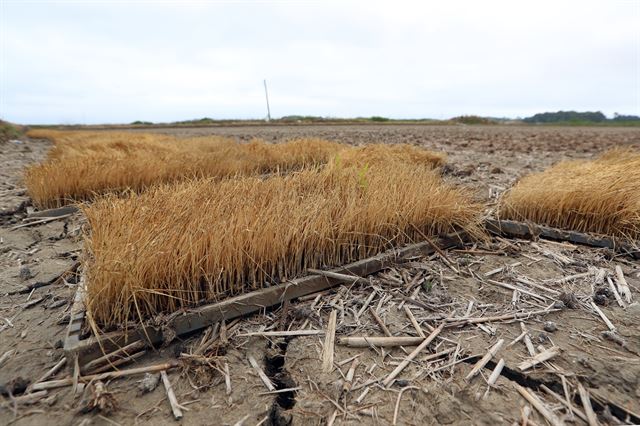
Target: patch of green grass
(472,119)
(377,118)
(9,131)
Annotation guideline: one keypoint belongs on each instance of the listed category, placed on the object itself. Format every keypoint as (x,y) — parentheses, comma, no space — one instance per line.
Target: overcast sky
(96,62)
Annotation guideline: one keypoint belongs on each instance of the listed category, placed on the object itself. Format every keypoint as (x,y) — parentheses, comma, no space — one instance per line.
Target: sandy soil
(488,160)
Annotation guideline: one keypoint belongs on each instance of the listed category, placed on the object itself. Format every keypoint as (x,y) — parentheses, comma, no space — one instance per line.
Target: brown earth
(486,158)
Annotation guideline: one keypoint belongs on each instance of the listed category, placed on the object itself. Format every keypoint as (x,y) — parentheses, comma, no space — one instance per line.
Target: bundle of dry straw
(176,246)
(601,196)
(85,164)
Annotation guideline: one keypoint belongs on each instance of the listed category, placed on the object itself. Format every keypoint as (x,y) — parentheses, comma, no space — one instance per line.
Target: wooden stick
(380,323)
(331,419)
(129,349)
(288,333)
(351,358)
(517,339)
(329,343)
(263,377)
(348,382)
(520,289)
(275,392)
(622,284)
(441,253)
(539,405)
(362,395)
(527,340)
(350,279)
(515,297)
(417,303)
(60,211)
(496,372)
(227,378)
(397,407)
(566,403)
(173,401)
(366,303)
(76,375)
(614,290)
(437,354)
(104,376)
(49,373)
(538,286)
(38,222)
(5,356)
(29,398)
(414,322)
(242,420)
(586,403)
(485,359)
(118,362)
(493,378)
(525,412)
(223,330)
(412,355)
(211,336)
(469,308)
(451,364)
(599,274)
(603,316)
(572,277)
(386,342)
(567,397)
(539,358)
(500,269)
(456,322)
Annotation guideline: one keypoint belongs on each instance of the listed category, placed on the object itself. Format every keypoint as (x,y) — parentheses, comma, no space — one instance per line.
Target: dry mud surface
(431,389)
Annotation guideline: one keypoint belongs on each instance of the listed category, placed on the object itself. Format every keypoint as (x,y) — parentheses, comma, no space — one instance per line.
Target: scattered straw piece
(329,343)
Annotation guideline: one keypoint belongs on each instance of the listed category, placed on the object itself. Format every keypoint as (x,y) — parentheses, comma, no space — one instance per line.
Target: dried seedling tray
(184,322)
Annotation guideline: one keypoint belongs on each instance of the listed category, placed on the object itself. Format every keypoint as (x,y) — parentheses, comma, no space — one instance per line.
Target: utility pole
(266,94)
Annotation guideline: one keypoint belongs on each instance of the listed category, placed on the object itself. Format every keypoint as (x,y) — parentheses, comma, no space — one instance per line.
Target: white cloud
(116,62)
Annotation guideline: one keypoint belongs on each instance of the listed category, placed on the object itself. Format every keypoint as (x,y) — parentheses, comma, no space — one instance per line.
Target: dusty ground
(487,159)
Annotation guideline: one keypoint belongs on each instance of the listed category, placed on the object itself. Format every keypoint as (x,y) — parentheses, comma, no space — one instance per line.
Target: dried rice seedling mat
(178,246)
(174,248)
(600,196)
(105,348)
(83,165)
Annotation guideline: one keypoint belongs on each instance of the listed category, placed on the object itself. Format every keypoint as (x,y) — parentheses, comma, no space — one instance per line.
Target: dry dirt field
(432,388)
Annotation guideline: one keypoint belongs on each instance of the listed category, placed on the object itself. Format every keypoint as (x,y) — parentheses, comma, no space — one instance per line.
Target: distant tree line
(560,117)
(619,117)
(578,117)
(472,119)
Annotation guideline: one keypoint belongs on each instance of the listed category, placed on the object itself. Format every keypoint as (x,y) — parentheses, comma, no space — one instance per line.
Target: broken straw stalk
(485,359)
(103,376)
